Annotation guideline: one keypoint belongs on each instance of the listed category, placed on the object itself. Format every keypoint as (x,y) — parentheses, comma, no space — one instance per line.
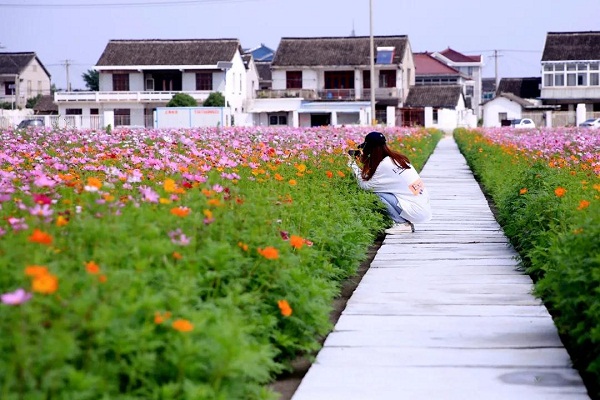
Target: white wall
(136,82)
(105,82)
(492,108)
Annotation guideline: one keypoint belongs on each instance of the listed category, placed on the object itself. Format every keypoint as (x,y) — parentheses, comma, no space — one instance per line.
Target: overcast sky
(78,30)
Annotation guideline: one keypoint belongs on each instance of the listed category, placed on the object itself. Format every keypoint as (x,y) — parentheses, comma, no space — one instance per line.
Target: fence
(57,121)
(537,117)
(564,118)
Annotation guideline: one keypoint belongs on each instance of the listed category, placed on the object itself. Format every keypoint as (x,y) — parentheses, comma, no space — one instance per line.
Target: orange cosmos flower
(214,202)
(523,191)
(285,308)
(102,278)
(160,318)
(45,283)
(278,177)
(296,241)
(243,246)
(583,204)
(170,186)
(341,174)
(40,237)
(270,253)
(36,270)
(293,182)
(301,167)
(92,268)
(208,214)
(329,174)
(560,191)
(183,325)
(162,200)
(180,211)
(94,182)
(177,256)
(61,221)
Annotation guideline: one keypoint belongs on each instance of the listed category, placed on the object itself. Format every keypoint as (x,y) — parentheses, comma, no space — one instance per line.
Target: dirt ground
(287,383)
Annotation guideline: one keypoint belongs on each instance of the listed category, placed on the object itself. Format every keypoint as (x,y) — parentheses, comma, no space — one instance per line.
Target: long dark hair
(372,155)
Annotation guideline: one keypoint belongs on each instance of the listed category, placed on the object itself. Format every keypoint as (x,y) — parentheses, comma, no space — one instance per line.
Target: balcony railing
(117,96)
(337,94)
(381,93)
(286,93)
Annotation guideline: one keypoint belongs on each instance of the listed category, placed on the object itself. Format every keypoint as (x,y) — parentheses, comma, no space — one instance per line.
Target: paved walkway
(443,314)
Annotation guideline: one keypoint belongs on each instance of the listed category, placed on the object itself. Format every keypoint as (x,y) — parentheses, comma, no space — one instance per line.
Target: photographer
(390,175)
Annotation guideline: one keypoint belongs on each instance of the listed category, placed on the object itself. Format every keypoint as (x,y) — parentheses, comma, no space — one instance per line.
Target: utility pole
(496,55)
(67,63)
(372,51)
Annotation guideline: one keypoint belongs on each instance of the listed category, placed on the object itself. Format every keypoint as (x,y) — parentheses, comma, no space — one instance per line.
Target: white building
(22,76)
(137,76)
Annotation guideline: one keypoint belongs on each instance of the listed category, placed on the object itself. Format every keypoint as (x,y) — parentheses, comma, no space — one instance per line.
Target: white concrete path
(443,313)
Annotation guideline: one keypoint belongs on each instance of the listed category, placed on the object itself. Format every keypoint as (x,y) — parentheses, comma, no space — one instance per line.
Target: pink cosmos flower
(178,237)
(43,181)
(41,210)
(15,298)
(18,224)
(148,194)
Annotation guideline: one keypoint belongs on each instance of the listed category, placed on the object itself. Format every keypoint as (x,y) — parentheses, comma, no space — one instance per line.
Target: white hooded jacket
(405,184)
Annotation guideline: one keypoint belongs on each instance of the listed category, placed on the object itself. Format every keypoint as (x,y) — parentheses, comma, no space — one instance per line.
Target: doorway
(320,119)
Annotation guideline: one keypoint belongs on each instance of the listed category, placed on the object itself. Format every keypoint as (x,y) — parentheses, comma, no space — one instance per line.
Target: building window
(559,80)
(29,90)
(435,115)
(469,90)
(120,82)
(502,116)
(293,80)
(73,111)
(34,68)
(339,79)
(548,80)
(594,79)
(122,116)
(39,88)
(582,79)
(387,79)
(571,79)
(204,81)
(9,88)
(385,55)
(366,79)
(277,119)
(94,111)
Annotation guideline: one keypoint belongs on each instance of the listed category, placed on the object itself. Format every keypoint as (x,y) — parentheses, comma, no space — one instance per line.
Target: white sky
(78,30)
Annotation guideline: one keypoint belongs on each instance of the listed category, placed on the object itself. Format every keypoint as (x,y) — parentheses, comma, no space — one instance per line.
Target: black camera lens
(354,153)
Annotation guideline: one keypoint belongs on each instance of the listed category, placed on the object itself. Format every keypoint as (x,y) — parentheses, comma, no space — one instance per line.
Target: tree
(182,100)
(215,99)
(32,101)
(92,80)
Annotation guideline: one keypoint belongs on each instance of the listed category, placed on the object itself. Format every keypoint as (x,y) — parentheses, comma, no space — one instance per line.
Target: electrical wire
(156,3)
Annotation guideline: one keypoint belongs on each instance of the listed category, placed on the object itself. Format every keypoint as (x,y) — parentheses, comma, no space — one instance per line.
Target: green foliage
(215,99)
(92,80)
(32,101)
(182,100)
(7,105)
(552,218)
(110,335)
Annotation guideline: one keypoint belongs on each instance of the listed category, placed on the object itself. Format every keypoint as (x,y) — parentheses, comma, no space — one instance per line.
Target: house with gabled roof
(516,98)
(138,76)
(22,76)
(326,81)
(436,106)
(472,67)
(571,71)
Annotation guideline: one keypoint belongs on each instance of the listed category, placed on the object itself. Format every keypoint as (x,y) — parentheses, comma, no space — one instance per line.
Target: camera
(354,153)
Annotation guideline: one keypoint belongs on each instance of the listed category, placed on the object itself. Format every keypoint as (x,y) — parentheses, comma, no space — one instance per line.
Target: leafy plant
(214,99)
(182,100)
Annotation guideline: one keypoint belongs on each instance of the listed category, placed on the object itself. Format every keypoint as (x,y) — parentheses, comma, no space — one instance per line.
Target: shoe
(401,227)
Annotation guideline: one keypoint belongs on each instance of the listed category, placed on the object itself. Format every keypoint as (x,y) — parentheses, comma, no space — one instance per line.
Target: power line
(158,3)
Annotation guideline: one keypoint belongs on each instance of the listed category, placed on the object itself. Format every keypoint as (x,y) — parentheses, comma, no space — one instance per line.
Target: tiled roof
(519,100)
(567,46)
(438,96)
(425,64)
(14,63)
(45,105)
(488,84)
(264,70)
(168,52)
(455,56)
(335,51)
(526,88)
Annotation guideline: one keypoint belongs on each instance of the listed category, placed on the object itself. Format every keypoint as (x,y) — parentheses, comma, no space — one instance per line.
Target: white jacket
(405,184)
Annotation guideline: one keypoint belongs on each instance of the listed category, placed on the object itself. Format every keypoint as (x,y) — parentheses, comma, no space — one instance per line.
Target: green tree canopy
(182,100)
(92,79)
(215,99)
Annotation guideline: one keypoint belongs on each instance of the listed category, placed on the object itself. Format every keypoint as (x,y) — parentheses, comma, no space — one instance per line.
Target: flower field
(175,264)
(546,187)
